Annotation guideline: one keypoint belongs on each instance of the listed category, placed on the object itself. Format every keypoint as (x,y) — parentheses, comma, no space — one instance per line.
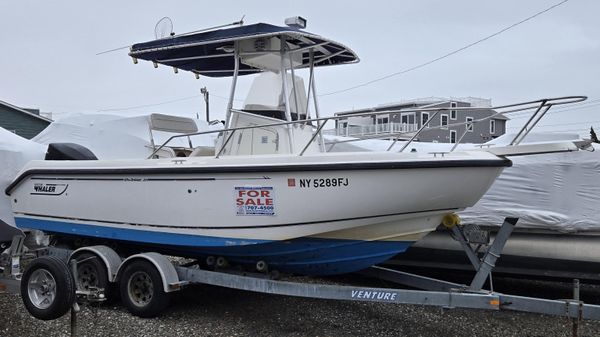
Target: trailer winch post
(460,237)
(489,259)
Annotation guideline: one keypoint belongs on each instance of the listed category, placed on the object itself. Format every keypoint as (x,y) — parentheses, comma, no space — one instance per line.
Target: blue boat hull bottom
(306,256)
(314,256)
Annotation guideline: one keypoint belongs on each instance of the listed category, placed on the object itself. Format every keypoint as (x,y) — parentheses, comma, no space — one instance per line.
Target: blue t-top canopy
(212,53)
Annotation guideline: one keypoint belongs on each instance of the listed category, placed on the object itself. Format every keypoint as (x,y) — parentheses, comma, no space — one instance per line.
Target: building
(448,126)
(26,123)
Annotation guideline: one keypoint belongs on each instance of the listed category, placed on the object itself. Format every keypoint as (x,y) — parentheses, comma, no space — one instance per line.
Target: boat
(270,194)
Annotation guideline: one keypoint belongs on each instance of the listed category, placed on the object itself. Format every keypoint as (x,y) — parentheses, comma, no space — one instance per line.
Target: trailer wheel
(142,289)
(92,272)
(47,288)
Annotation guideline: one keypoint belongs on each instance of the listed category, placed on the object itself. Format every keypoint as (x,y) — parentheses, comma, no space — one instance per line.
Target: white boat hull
(219,204)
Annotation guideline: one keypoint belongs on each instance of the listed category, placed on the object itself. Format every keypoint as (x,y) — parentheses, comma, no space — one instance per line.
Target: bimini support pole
(236,70)
(310,79)
(294,89)
(314,95)
(288,114)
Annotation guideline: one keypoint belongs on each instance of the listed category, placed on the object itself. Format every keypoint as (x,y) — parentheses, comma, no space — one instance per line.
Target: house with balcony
(448,126)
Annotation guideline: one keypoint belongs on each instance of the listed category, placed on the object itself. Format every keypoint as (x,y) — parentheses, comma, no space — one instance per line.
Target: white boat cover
(15,152)
(116,137)
(559,191)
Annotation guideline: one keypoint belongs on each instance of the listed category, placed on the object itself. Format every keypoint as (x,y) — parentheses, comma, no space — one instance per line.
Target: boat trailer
(52,281)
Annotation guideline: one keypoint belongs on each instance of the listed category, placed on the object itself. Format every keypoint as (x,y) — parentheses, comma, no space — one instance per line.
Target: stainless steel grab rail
(541,107)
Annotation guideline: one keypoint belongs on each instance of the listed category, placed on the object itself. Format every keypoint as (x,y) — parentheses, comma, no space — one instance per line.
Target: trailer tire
(142,290)
(47,288)
(93,273)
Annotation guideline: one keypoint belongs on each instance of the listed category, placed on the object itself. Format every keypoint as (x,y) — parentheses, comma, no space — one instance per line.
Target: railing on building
(374,129)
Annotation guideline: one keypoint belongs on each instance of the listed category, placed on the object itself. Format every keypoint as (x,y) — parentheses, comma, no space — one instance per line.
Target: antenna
(237,23)
(163,28)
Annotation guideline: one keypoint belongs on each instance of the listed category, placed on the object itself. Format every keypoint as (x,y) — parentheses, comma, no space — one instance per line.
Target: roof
(14,107)
(211,53)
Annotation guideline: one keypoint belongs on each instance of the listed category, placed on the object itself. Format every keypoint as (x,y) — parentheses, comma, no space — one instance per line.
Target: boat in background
(270,194)
(112,136)
(15,153)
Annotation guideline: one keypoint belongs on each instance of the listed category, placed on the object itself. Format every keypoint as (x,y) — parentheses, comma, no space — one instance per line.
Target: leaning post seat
(68,151)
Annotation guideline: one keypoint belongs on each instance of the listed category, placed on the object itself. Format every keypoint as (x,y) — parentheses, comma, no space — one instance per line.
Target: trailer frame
(431,291)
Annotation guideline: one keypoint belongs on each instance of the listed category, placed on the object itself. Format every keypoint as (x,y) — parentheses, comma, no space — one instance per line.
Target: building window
(492,127)
(469,124)
(382,124)
(424,118)
(453,112)
(345,129)
(408,118)
(452,136)
(444,121)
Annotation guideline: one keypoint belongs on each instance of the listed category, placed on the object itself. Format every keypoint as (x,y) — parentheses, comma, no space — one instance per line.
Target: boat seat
(165,152)
(200,151)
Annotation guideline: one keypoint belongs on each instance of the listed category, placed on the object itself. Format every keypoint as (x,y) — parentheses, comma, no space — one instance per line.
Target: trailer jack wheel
(47,288)
(142,289)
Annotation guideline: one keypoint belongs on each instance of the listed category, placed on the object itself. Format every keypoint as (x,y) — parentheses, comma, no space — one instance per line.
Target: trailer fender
(109,257)
(164,267)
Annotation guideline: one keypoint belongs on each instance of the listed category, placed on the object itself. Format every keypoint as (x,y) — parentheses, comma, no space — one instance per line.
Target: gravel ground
(213,311)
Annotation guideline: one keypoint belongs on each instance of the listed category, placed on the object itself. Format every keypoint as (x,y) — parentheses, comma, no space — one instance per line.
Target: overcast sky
(48,53)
